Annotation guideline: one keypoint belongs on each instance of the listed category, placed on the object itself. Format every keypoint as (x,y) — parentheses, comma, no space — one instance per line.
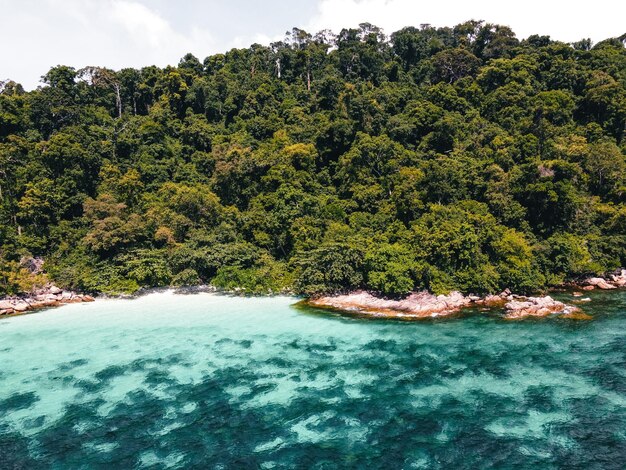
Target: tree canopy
(435,158)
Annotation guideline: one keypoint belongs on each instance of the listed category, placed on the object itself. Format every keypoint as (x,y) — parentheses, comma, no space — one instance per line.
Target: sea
(210,381)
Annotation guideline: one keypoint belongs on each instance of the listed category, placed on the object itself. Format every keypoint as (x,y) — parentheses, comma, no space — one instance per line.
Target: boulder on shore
(599,283)
(619,279)
(48,296)
(54,290)
(536,307)
(494,300)
(21,306)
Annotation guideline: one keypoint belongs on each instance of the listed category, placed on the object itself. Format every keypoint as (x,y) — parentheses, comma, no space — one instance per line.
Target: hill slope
(452,158)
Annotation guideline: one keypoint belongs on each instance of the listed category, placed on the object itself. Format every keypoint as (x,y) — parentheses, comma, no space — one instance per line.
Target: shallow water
(208,381)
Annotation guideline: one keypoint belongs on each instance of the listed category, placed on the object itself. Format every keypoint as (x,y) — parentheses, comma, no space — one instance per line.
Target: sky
(38,34)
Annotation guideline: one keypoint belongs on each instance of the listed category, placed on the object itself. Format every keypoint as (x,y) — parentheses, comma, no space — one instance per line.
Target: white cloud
(562,20)
(258,38)
(111,33)
(142,24)
(38,34)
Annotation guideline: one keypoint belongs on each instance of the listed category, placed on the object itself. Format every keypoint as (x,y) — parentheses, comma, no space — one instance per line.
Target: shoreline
(416,306)
(424,305)
(52,296)
(49,296)
(420,306)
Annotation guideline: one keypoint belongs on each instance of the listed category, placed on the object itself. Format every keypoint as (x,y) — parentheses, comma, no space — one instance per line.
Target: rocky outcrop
(619,279)
(422,305)
(48,296)
(536,307)
(599,283)
(415,306)
(33,265)
(613,281)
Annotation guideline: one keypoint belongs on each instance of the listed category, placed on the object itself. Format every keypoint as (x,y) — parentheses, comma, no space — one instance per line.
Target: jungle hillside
(456,158)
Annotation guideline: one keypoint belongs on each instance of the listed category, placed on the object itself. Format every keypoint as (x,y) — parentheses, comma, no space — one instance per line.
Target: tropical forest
(440,159)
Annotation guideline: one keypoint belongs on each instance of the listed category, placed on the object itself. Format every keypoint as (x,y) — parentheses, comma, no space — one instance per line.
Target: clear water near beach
(210,381)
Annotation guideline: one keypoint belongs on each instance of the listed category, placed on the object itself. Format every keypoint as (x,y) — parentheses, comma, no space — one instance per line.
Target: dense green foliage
(451,158)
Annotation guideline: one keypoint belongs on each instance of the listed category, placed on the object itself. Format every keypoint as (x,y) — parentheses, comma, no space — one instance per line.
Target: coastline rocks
(599,283)
(422,305)
(21,306)
(54,290)
(619,280)
(536,307)
(613,281)
(49,296)
(495,300)
(417,305)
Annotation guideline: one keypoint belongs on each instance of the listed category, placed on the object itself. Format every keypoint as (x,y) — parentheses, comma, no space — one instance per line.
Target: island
(430,166)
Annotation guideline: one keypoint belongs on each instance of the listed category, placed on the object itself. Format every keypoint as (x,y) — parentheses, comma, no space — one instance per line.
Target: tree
(453,64)
(331,268)
(101,77)
(112,226)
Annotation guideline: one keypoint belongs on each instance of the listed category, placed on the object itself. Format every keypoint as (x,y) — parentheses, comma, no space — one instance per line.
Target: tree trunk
(118,100)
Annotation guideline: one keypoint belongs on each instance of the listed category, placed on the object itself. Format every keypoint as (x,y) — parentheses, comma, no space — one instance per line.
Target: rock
(577,294)
(599,283)
(588,287)
(535,307)
(54,290)
(425,305)
(586,299)
(415,306)
(492,301)
(21,306)
(619,279)
(49,296)
(33,265)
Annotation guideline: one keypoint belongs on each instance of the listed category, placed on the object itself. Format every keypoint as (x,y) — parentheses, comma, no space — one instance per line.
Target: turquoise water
(207,381)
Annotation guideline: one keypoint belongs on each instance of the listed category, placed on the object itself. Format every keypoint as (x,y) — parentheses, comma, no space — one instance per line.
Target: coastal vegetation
(457,158)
